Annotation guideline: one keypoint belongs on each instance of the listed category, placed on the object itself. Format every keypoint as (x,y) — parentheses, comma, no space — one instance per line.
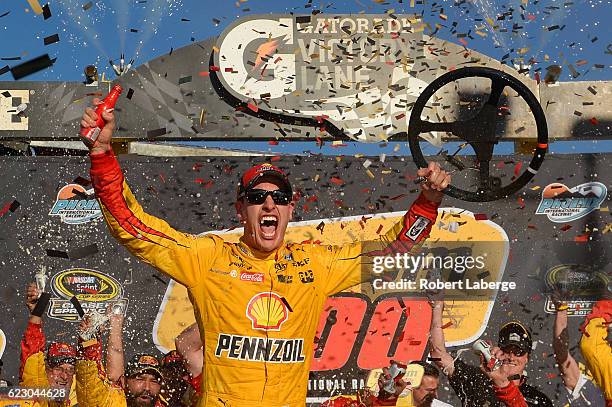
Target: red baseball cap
(257,172)
(59,353)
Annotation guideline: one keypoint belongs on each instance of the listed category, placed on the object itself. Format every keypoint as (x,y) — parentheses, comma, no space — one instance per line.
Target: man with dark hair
(478,387)
(257,302)
(425,394)
(136,384)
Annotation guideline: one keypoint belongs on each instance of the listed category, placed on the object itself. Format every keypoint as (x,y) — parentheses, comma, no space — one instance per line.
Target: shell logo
(267,311)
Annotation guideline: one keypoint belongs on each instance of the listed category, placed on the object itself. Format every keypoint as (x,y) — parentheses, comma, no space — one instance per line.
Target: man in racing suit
(51,369)
(257,302)
(596,348)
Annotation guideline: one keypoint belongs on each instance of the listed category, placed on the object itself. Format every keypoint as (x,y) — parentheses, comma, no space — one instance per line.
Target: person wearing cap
(479,386)
(596,345)
(257,302)
(136,385)
(580,391)
(53,368)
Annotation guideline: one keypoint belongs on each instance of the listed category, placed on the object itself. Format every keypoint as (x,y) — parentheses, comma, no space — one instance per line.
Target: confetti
(156,132)
(46,11)
(36,8)
(52,39)
(480,216)
(87,5)
(31,66)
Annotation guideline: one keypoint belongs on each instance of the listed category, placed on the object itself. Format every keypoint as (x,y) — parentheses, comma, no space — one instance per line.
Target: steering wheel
(479,132)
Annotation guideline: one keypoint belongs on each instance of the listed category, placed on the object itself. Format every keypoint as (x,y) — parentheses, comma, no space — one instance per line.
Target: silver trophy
(97,320)
(41,279)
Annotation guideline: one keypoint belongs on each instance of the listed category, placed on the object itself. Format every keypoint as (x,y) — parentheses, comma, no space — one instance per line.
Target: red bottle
(90,134)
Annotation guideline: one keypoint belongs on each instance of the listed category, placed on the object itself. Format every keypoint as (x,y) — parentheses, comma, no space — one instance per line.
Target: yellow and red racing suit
(258,312)
(33,369)
(596,347)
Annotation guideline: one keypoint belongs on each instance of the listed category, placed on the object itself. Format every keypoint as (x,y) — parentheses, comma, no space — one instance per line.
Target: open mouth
(268,225)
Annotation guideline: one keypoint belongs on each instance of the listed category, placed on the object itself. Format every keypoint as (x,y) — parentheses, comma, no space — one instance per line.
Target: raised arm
(32,343)
(436,339)
(115,363)
(346,263)
(189,345)
(182,257)
(570,372)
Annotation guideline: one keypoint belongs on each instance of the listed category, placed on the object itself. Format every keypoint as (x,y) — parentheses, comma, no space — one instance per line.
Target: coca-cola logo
(252,277)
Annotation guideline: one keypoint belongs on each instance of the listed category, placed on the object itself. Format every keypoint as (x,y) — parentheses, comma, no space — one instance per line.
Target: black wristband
(41,305)
(77,306)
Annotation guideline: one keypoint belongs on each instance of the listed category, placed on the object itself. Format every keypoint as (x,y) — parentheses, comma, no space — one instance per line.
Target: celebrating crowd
(233,358)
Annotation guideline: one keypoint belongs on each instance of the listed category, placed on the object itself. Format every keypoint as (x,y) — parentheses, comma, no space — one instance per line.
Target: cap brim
(269,174)
(522,346)
(148,369)
(60,360)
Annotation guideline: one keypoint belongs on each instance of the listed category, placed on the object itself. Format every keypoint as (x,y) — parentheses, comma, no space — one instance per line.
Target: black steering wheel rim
(496,77)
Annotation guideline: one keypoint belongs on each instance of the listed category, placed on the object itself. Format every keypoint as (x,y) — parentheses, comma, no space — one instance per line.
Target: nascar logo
(256,349)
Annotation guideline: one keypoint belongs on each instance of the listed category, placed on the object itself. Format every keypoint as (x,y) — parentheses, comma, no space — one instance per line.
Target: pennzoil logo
(267,311)
(75,205)
(93,289)
(580,283)
(562,204)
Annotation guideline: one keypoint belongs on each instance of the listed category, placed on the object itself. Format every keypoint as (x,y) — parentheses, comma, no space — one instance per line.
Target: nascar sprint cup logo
(562,204)
(93,289)
(75,205)
(356,73)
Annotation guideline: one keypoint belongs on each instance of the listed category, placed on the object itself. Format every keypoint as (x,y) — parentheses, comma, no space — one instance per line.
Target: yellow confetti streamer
(35,6)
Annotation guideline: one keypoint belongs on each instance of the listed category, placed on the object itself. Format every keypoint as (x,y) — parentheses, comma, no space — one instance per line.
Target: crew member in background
(478,387)
(404,394)
(96,388)
(53,369)
(176,389)
(580,390)
(257,302)
(596,348)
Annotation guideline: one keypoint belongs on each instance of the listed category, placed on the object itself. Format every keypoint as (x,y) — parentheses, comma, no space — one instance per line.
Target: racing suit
(258,312)
(596,348)
(32,370)
(93,388)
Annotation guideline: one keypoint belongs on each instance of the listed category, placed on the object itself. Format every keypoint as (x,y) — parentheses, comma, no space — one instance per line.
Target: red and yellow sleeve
(346,267)
(181,256)
(32,343)
(595,347)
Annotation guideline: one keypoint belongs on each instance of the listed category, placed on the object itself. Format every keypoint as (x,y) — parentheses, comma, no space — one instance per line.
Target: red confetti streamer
(582,238)
(594,121)
(214,68)
(565,228)
(517,168)
(447,325)
(380,227)
(337,181)
(253,107)
(204,73)
(273,142)
(480,216)
(521,202)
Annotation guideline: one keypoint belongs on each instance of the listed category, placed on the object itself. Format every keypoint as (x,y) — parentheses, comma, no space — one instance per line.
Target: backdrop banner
(555,232)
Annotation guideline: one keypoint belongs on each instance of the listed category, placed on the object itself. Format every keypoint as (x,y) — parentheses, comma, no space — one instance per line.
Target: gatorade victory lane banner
(555,230)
